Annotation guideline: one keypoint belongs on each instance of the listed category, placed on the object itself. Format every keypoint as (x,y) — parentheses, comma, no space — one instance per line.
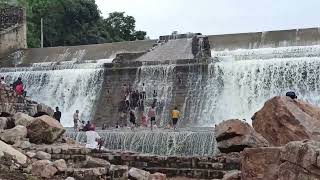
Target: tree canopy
(76,22)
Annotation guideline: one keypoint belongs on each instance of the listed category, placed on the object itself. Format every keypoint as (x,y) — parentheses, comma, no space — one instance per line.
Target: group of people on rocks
(17,86)
(133,103)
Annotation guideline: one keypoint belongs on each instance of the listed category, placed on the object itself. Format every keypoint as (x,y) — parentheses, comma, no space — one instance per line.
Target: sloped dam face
(234,83)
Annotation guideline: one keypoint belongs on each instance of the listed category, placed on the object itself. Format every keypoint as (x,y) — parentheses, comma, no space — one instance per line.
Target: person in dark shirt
(57,114)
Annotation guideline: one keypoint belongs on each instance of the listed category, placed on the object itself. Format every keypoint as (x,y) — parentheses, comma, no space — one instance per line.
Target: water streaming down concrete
(70,86)
(199,141)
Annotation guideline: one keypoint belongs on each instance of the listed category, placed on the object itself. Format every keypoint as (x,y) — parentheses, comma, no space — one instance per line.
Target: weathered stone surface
(23,144)
(43,168)
(283,119)
(45,129)
(44,108)
(30,154)
(14,135)
(235,135)
(289,171)
(260,163)
(43,155)
(95,162)
(3,122)
(232,175)
(69,178)
(157,176)
(60,164)
(16,155)
(23,119)
(303,154)
(138,174)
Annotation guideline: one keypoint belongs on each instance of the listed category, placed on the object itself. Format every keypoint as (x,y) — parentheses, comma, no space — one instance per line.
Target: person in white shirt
(93,139)
(2,82)
(143,91)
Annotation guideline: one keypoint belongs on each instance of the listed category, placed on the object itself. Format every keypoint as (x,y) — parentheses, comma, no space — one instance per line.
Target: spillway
(70,86)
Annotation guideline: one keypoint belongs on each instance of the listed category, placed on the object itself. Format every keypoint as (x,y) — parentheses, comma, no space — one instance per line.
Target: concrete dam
(214,78)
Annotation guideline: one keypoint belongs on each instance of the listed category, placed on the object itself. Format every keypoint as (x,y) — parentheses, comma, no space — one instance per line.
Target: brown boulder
(260,163)
(45,129)
(22,119)
(235,135)
(43,168)
(283,119)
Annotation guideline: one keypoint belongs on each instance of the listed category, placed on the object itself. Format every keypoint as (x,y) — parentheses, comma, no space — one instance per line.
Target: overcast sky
(160,17)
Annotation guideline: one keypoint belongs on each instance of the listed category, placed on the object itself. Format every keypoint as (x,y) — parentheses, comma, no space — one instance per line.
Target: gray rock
(31,154)
(61,165)
(70,178)
(43,155)
(14,135)
(95,162)
(43,168)
(13,153)
(3,122)
(22,144)
(139,174)
(23,119)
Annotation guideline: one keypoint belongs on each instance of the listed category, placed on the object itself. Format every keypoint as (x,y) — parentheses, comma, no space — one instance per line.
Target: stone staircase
(214,167)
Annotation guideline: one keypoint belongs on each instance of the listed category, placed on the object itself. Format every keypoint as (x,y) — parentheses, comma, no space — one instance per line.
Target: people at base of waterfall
(88,126)
(17,82)
(57,114)
(132,118)
(175,117)
(291,94)
(94,140)
(76,120)
(127,100)
(155,94)
(135,98)
(104,126)
(152,116)
(143,91)
(144,121)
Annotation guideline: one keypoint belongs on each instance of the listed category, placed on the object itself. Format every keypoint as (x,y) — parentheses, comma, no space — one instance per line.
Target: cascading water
(68,85)
(243,80)
(161,142)
(160,79)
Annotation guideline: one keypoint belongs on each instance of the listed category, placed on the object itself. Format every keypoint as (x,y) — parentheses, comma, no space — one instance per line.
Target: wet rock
(283,119)
(45,129)
(43,155)
(232,175)
(23,119)
(14,135)
(43,168)
(3,122)
(260,163)
(157,176)
(61,165)
(138,174)
(235,135)
(95,162)
(13,153)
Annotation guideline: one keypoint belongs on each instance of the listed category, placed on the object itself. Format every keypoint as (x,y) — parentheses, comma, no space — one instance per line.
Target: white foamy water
(68,85)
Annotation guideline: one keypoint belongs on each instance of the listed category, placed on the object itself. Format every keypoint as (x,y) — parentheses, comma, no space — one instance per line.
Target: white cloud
(159,17)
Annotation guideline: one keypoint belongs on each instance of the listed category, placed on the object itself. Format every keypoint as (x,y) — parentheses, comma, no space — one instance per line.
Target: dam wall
(12,29)
(281,38)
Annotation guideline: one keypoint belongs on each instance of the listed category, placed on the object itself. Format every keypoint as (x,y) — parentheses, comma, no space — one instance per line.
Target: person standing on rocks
(132,118)
(175,117)
(152,116)
(155,94)
(76,120)
(143,91)
(57,114)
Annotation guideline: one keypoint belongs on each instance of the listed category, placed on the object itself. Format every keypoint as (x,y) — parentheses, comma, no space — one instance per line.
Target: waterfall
(161,142)
(243,80)
(161,79)
(68,85)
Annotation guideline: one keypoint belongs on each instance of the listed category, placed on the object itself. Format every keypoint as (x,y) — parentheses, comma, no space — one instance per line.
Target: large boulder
(15,154)
(260,163)
(138,174)
(283,119)
(23,119)
(45,129)
(44,169)
(43,155)
(235,135)
(46,109)
(61,165)
(14,135)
